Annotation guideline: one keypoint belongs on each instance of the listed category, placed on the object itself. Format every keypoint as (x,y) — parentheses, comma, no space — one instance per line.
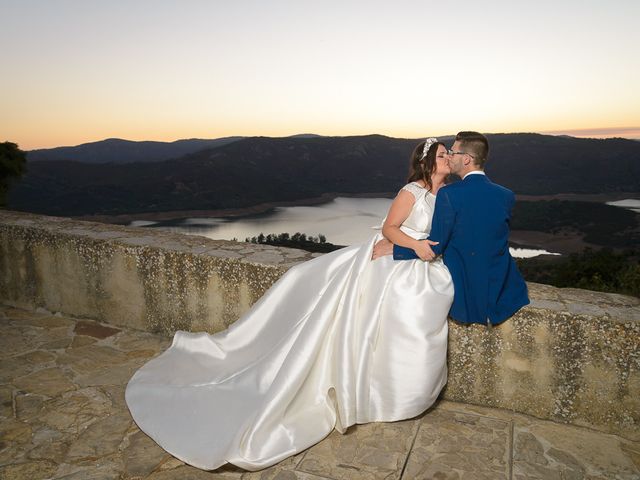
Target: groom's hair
(475,144)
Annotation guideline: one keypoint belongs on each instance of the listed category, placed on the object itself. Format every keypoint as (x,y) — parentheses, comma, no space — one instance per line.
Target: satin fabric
(337,340)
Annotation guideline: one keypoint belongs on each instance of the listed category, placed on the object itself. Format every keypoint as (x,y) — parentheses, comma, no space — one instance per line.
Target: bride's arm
(398,213)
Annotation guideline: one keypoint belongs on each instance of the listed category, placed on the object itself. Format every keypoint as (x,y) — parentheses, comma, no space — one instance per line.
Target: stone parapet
(571,356)
(136,277)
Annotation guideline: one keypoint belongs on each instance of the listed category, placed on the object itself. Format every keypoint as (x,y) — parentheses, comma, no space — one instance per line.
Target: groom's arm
(442,223)
(403,253)
(384,247)
(441,228)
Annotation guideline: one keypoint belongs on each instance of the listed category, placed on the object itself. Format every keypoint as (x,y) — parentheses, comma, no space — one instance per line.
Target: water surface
(343,221)
(629,203)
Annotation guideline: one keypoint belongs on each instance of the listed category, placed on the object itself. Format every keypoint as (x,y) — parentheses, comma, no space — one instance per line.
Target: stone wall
(140,278)
(571,356)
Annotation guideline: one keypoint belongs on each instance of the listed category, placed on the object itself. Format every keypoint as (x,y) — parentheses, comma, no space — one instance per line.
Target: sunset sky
(80,71)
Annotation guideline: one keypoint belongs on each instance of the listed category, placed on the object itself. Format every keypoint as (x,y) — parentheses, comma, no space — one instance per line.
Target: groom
(470,228)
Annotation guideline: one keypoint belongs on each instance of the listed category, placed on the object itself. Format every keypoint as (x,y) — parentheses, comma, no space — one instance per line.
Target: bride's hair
(422,168)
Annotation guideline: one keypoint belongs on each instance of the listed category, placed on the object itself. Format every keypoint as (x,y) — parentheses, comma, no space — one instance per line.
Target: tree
(13,164)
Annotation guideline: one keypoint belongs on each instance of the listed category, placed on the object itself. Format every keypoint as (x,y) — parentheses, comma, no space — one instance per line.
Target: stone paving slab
(63,416)
(454,444)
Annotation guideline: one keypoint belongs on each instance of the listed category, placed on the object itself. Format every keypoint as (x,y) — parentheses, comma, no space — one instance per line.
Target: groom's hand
(423,250)
(382,248)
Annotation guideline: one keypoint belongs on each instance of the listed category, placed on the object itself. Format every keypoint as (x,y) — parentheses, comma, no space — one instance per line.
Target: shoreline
(582,197)
(262,208)
(562,244)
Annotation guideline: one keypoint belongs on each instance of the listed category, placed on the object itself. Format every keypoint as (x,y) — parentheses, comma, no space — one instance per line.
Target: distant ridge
(116,150)
(256,170)
(305,135)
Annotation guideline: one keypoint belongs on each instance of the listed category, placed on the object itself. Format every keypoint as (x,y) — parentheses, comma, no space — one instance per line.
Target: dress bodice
(418,223)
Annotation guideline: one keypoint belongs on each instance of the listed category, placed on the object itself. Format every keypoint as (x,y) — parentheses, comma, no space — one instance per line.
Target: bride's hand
(381,248)
(423,250)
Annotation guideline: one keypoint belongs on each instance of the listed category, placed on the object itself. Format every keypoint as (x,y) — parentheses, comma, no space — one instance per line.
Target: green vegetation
(603,270)
(297,240)
(614,268)
(599,223)
(13,163)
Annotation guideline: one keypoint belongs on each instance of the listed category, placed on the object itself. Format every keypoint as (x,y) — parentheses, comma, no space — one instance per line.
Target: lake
(629,204)
(343,221)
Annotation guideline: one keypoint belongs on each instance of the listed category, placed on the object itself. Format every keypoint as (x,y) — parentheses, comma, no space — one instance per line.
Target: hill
(256,170)
(545,164)
(116,150)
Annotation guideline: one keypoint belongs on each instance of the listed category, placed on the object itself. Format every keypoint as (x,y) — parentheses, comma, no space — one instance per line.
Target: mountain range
(117,150)
(117,176)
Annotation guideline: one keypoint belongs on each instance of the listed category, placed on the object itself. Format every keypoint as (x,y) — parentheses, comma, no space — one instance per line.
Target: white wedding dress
(337,340)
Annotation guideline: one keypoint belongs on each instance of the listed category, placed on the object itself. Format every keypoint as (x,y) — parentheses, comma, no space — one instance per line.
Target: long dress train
(337,340)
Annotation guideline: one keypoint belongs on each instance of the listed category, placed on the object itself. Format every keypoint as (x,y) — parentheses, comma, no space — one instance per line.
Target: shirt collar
(474,172)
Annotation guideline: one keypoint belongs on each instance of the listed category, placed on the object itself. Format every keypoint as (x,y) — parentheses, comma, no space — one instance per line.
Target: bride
(338,340)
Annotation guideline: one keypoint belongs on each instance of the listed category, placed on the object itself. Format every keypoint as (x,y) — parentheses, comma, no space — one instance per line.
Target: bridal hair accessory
(427,145)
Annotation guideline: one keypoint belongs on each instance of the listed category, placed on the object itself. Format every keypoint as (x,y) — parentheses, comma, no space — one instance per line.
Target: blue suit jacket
(471,222)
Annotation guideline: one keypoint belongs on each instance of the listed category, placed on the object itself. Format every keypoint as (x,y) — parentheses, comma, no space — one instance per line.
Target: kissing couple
(357,335)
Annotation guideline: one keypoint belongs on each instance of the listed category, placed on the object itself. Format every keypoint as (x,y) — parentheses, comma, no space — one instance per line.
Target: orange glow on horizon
(52,141)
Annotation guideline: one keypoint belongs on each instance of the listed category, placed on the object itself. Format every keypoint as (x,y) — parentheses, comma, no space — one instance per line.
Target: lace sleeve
(416,190)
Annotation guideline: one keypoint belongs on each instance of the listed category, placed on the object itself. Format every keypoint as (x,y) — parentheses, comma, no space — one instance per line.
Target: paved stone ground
(63,416)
